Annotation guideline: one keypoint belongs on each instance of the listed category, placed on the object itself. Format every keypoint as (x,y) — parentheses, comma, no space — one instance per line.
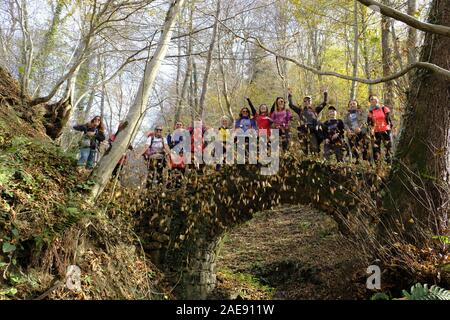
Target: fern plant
(422,292)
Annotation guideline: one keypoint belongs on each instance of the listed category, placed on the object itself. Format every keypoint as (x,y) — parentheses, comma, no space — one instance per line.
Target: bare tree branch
(424,65)
(405,18)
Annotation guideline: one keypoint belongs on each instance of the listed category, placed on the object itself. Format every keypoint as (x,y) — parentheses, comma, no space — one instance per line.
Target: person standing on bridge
(156,155)
(245,123)
(355,122)
(334,130)
(245,127)
(281,120)
(263,121)
(380,124)
(174,139)
(224,134)
(177,161)
(310,129)
(198,144)
(262,118)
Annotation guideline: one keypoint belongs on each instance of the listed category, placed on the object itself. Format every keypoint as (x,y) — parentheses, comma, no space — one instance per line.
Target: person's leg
(84,155)
(116,170)
(91,158)
(305,144)
(176,175)
(327,151)
(387,144)
(150,173)
(363,145)
(377,146)
(338,152)
(302,137)
(315,148)
(353,141)
(159,170)
(286,140)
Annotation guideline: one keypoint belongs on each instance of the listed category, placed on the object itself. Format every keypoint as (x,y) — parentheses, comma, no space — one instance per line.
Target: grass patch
(244,285)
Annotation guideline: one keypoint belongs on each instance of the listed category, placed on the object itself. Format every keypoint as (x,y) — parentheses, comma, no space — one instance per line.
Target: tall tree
(27,48)
(209,60)
(419,198)
(386,49)
(102,173)
(411,44)
(41,61)
(355,48)
(225,91)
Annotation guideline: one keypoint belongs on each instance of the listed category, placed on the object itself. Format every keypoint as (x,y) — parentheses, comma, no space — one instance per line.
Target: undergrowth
(46,226)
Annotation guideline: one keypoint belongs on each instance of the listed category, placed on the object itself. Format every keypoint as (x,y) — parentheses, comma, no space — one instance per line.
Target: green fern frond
(380,296)
(422,292)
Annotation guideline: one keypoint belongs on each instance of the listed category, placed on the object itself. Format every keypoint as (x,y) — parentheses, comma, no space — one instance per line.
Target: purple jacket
(281,119)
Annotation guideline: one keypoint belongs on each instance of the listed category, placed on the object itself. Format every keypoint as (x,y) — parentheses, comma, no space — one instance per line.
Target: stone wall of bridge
(182,228)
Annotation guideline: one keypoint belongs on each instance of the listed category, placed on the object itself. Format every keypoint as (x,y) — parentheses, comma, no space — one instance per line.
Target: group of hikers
(359,135)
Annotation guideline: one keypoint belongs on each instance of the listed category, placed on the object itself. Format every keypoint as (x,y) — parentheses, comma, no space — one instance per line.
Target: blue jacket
(173,142)
(245,124)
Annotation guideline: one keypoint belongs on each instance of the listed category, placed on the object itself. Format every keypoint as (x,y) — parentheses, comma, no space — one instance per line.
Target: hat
(307,97)
(332,108)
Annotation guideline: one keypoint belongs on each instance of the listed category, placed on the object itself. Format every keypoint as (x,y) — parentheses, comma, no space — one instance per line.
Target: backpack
(147,152)
(86,140)
(385,114)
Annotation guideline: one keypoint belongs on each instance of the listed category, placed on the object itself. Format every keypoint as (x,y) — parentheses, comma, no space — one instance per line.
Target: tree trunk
(56,117)
(27,50)
(187,77)
(178,79)
(102,173)
(225,92)
(48,45)
(195,89)
(401,84)
(388,97)
(418,201)
(209,61)
(411,43)
(184,88)
(355,49)
(365,49)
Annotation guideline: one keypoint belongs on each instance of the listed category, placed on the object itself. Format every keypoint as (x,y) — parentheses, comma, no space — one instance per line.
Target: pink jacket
(281,119)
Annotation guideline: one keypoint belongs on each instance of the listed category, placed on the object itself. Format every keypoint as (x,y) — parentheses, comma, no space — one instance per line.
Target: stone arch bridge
(182,228)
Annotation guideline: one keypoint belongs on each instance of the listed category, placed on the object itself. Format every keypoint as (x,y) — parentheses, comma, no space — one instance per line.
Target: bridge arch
(182,228)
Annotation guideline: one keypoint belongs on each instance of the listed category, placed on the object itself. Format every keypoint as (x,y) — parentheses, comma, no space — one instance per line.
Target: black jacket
(331,127)
(96,139)
(308,116)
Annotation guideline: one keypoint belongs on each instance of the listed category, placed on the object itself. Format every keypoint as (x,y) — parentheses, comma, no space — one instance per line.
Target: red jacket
(379,119)
(124,158)
(264,123)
